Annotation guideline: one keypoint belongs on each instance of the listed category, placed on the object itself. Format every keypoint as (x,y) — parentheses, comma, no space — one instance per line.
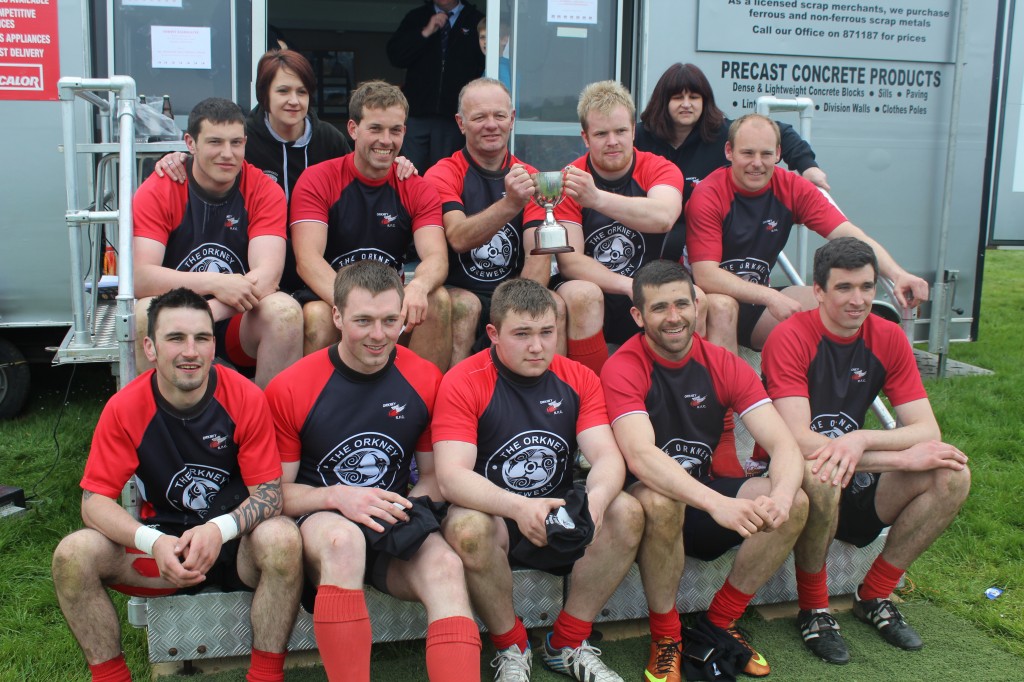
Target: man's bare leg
(720,321)
(269,560)
(318,327)
(811,548)
(767,322)
(272,332)
(466,309)
(432,340)
(481,541)
(660,557)
(141,330)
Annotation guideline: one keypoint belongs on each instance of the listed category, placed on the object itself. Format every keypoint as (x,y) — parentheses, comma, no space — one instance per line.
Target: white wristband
(145,538)
(228,527)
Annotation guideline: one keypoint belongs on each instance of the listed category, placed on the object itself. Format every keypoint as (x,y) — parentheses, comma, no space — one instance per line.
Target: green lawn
(984,547)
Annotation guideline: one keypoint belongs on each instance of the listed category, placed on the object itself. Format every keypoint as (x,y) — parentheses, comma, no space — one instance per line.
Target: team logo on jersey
(859,375)
(194,486)
(689,454)
(531,464)
(364,254)
(216,441)
(552,406)
(386,218)
(495,260)
(231,222)
(693,181)
(617,247)
(366,460)
(751,269)
(696,400)
(212,258)
(834,425)
(771,225)
(394,410)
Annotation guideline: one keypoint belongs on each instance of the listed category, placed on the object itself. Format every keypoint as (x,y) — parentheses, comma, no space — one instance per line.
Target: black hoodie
(265,150)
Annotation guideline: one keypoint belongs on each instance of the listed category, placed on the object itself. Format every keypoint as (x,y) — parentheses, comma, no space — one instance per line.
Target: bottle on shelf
(167,110)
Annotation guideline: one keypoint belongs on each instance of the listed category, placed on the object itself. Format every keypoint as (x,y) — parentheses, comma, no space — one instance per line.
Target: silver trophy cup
(550,236)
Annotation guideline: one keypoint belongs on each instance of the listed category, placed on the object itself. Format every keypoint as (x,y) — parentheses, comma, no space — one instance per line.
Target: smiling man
(508,422)
(667,392)
(738,221)
(354,208)
(823,368)
(221,234)
(200,443)
(345,479)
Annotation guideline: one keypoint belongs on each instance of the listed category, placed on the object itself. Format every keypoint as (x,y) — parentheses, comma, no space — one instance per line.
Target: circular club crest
(494,260)
(368,460)
(530,464)
(834,425)
(693,456)
(193,487)
(618,248)
(212,258)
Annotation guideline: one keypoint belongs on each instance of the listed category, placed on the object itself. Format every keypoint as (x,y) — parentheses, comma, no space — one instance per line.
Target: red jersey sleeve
(113,456)
(902,378)
(291,395)
(810,206)
(656,170)
(592,408)
(421,200)
(448,179)
(258,458)
(785,360)
(158,207)
(462,397)
(737,384)
(264,202)
(316,190)
(425,378)
(705,211)
(626,379)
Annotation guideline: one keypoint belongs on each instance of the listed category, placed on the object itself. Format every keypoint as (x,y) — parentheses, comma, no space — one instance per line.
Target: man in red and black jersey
(667,392)
(738,221)
(489,219)
(349,419)
(199,442)
(508,422)
(354,208)
(620,205)
(823,368)
(221,234)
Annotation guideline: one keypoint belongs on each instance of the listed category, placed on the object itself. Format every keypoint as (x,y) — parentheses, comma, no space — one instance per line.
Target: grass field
(970,637)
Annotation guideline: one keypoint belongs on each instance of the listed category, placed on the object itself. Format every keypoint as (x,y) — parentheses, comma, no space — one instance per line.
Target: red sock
(728,605)
(591,352)
(266,666)
(725,463)
(114,670)
(812,589)
(342,628)
(453,650)
(664,625)
(517,635)
(569,631)
(881,580)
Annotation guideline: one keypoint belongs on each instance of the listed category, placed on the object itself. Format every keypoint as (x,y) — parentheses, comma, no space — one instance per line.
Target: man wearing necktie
(438,47)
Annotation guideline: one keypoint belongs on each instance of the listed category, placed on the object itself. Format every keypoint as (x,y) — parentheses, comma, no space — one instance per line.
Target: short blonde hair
(734,127)
(604,96)
(375,95)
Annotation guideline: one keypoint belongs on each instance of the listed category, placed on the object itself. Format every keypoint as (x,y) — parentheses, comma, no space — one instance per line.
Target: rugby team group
(305,423)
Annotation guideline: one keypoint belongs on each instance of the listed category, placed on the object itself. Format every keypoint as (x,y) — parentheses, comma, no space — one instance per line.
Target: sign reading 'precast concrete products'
(915,30)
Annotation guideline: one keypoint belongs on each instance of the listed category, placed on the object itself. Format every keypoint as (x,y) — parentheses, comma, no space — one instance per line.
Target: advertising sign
(29,50)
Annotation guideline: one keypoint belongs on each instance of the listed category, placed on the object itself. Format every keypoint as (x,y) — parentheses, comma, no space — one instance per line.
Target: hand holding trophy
(550,236)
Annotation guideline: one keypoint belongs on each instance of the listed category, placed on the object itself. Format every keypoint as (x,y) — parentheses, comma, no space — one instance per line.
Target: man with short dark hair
(200,443)
(668,391)
(348,480)
(354,208)
(738,221)
(824,368)
(508,422)
(221,234)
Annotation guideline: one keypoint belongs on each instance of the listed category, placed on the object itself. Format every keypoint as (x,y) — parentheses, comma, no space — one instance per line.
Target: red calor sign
(29,50)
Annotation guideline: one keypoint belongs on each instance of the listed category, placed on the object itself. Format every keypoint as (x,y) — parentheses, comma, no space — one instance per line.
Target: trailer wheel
(14,380)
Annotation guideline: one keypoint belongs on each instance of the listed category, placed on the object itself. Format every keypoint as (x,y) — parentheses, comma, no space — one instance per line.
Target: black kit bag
(711,653)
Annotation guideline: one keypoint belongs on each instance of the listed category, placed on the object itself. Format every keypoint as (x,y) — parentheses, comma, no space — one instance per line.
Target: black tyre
(14,380)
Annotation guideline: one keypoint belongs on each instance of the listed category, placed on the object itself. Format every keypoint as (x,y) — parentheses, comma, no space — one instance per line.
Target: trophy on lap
(550,236)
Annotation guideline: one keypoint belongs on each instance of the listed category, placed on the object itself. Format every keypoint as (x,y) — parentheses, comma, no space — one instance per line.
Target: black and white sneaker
(821,635)
(884,615)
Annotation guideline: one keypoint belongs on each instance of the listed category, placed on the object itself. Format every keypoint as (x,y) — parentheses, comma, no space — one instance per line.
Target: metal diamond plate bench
(216,624)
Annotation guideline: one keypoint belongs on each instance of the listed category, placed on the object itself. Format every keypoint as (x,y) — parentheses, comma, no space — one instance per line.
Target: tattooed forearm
(263,503)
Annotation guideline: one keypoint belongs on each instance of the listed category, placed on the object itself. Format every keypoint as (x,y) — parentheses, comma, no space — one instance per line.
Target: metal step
(103,343)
